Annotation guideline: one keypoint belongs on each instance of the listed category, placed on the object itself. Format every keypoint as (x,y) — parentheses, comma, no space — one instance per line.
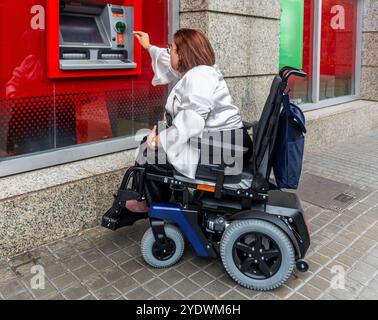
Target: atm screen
(79,29)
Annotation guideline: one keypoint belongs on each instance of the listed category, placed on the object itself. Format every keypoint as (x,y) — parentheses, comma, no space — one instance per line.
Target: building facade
(66,143)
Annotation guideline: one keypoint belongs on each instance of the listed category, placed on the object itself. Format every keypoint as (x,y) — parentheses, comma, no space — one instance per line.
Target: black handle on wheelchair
(301,74)
(287,72)
(286,68)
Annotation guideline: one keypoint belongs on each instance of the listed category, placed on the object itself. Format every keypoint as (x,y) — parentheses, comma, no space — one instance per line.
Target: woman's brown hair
(194,49)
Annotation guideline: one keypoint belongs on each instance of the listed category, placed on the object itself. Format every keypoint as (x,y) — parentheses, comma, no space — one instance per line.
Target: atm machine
(93,38)
(96,36)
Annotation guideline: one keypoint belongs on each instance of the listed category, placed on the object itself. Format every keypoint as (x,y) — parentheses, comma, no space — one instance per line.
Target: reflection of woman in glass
(32,67)
(200,102)
(29,73)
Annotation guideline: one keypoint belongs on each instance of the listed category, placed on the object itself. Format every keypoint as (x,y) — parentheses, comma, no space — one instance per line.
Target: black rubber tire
(238,228)
(148,241)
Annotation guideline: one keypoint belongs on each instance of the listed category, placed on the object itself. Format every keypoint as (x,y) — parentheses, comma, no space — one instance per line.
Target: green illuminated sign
(291,33)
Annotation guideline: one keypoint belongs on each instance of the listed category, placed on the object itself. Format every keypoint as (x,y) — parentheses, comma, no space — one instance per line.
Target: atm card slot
(117,10)
(112,55)
(74,54)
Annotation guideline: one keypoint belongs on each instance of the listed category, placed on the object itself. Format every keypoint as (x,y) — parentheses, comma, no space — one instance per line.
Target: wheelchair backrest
(266,130)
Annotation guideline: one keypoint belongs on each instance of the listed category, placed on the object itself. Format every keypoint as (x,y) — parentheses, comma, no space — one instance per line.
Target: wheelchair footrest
(115,219)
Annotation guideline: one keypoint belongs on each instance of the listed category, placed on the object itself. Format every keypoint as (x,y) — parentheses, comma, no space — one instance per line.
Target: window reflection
(338,48)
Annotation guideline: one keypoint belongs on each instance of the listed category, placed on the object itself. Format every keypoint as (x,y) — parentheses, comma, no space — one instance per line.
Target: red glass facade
(38,113)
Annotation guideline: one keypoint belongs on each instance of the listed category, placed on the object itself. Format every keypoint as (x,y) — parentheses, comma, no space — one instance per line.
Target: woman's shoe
(137,206)
(128,218)
(114,220)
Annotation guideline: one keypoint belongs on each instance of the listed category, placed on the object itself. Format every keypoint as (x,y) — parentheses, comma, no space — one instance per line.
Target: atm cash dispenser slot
(96,36)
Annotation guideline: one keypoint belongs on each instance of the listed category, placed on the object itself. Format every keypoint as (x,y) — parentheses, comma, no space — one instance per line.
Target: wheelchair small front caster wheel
(302,266)
(153,255)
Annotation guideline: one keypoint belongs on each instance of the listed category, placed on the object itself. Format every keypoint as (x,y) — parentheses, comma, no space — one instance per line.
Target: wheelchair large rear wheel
(151,253)
(257,254)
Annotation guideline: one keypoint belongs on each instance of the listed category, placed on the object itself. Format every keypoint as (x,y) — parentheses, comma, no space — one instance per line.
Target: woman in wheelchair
(204,154)
(198,106)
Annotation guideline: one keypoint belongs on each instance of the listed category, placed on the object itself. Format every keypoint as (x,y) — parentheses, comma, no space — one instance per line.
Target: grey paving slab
(170,294)
(11,288)
(95,282)
(217,288)
(107,293)
(84,273)
(64,281)
(172,276)
(75,292)
(201,278)
(186,287)
(119,257)
(126,284)
(138,294)
(201,295)
(156,286)
(55,270)
(113,274)
(143,276)
(102,263)
(234,295)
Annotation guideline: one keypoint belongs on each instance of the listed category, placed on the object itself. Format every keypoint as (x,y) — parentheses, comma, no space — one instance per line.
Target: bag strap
(299,119)
(288,108)
(286,101)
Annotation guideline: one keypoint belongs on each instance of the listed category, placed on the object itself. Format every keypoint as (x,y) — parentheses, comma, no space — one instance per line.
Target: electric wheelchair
(257,230)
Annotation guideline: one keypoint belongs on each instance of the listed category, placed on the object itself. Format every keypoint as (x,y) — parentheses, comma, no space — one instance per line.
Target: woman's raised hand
(144,39)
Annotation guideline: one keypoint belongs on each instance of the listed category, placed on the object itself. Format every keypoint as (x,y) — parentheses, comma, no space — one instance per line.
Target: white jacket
(200,101)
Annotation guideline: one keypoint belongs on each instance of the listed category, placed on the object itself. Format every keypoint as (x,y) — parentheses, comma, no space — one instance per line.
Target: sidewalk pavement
(101,264)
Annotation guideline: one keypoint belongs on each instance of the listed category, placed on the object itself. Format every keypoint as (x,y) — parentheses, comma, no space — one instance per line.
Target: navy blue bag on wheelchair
(289,146)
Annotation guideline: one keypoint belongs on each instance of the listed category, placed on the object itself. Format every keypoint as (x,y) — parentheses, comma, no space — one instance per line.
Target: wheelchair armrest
(249,125)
